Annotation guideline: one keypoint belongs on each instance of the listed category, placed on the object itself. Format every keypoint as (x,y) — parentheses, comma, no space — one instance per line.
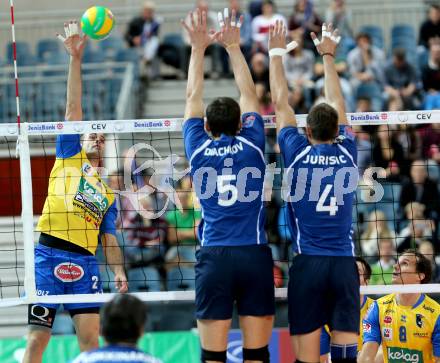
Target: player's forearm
(368,352)
(74,91)
(243,79)
(278,82)
(113,253)
(332,87)
(194,88)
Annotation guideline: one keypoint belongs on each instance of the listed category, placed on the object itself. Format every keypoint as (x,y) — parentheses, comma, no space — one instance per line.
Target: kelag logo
(403,355)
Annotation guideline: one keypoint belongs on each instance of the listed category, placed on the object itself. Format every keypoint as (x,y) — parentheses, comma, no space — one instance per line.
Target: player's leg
(255,295)
(345,314)
(309,305)
(214,301)
(37,340)
(41,317)
(87,329)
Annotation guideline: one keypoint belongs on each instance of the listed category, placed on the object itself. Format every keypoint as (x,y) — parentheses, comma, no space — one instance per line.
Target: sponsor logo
(119,126)
(167,123)
(403,355)
(99,126)
(387,333)
(431,310)
(387,302)
(87,169)
(421,335)
(384,116)
(403,117)
(60,126)
(389,311)
(93,195)
(387,319)
(41,128)
(249,121)
(423,116)
(235,351)
(148,124)
(42,314)
(403,318)
(78,127)
(419,320)
(367,117)
(366,327)
(68,272)
(12,130)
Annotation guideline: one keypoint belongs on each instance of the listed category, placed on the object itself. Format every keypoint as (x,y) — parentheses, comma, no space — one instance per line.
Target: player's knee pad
(209,355)
(301,361)
(343,353)
(258,354)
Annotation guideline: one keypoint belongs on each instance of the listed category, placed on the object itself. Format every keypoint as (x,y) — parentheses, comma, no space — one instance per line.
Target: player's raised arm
(74,44)
(327,49)
(285,116)
(229,37)
(200,39)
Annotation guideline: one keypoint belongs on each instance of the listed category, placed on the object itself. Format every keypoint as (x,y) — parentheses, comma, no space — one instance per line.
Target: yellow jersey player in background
(407,325)
(79,209)
(364,270)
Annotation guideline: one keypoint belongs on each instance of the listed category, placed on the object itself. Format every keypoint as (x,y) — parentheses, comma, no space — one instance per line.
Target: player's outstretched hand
(229,34)
(121,282)
(199,35)
(277,35)
(73,41)
(329,41)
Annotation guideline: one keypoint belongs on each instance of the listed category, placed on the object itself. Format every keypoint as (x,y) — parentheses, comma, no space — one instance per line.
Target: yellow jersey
(407,333)
(79,204)
(326,335)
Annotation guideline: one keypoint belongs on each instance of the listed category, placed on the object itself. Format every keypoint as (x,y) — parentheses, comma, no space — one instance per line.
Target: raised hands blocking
(277,40)
(73,41)
(329,41)
(199,35)
(229,34)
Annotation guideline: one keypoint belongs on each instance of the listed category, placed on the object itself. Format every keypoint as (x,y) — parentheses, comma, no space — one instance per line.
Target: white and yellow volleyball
(97,22)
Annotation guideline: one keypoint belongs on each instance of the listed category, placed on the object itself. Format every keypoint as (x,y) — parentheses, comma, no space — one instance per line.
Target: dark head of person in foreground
(123,320)
(223,117)
(322,123)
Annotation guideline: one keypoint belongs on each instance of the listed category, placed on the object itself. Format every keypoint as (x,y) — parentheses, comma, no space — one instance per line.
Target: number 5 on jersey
(225,187)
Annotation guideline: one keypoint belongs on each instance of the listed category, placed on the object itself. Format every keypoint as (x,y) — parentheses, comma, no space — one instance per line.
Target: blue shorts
(59,272)
(323,290)
(228,275)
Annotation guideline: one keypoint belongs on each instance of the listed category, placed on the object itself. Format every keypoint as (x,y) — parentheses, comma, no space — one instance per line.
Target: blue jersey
(115,354)
(321,182)
(228,176)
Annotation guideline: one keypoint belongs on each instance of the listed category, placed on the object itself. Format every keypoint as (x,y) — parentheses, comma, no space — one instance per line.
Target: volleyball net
(145,166)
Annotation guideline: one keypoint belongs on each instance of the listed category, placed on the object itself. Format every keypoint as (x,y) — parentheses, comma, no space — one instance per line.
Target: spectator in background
(262,23)
(338,15)
(125,209)
(365,62)
(427,249)
(420,188)
(122,325)
(382,270)
(304,20)
(430,28)
(182,227)
(377,230)
(245,30)
(364,148)
(143,33)
(431,76)
(430,138)
(401,83)
(419,227)
(145,238)
(219,59)
(264,100)
(260,69)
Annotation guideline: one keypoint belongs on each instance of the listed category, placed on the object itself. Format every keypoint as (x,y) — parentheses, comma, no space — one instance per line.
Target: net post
(27,214)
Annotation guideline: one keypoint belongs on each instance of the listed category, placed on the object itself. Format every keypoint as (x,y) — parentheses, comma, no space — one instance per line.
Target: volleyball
(97,22)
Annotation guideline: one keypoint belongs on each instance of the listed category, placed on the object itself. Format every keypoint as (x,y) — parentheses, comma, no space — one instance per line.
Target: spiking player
(364,270)
(79,208)
(234,263)
(407,325)
(324,282)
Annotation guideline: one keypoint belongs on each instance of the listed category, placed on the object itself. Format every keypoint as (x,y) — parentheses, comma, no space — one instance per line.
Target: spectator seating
(376,34)
(144,279)
(47,47)
(172,49)
(181,278)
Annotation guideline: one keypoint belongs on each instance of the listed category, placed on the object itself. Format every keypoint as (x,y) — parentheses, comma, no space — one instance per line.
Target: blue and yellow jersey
(79,205)
(326,335)
(407,333)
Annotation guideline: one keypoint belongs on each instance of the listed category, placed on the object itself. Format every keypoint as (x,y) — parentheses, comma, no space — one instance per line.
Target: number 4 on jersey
(331,208)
